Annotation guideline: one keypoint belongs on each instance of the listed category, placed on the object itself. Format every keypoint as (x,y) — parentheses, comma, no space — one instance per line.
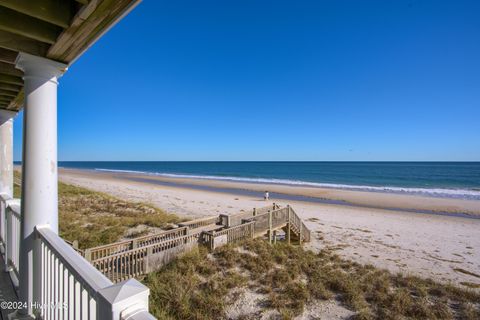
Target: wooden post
(212,240)
(254,212)
(275,236)
(288,233)
(300,234)
(288,224)
(270,226)
(146,265)
(88,254)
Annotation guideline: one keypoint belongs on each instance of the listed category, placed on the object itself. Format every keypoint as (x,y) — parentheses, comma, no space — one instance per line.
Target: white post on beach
(6,152)
(39,167)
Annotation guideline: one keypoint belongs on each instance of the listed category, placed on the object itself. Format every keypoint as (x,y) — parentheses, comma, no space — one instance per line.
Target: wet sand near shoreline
(378,200)
(445,248)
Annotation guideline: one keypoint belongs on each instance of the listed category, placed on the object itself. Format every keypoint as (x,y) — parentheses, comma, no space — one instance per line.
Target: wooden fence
(122,246)
(142,260)
(215,239)
(202,222)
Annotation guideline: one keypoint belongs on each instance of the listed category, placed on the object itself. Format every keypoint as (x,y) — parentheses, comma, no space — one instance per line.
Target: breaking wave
(431,192)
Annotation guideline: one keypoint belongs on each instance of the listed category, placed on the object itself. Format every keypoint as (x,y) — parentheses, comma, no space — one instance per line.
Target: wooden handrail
(192,224)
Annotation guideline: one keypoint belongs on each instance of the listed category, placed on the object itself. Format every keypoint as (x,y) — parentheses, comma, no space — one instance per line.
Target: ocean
(436,179)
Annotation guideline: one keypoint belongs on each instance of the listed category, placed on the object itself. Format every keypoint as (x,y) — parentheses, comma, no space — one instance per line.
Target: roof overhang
(60,30)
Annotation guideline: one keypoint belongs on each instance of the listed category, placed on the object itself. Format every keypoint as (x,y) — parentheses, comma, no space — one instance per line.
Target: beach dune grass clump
(94,218)
(201,286)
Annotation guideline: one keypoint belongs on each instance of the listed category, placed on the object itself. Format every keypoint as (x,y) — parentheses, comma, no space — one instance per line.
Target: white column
(39,164)
(6,152)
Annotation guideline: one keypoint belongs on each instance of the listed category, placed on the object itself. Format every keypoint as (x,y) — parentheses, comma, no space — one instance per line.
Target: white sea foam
(123,171)
(432,192)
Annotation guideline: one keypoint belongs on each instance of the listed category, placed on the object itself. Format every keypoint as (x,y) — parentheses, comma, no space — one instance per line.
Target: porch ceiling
(60,30)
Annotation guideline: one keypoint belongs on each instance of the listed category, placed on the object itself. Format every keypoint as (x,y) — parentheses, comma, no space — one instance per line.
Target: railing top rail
(161,233)
(82,270)
(110,245)
(239,214)
(126,242)
(243,225)
(5,196)
(259,211)
(268,212)
(144,248)
(14,205)
(266,208)
(198,220)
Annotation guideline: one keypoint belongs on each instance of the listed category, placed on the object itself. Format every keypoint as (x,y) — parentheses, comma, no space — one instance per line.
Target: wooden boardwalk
(136,257)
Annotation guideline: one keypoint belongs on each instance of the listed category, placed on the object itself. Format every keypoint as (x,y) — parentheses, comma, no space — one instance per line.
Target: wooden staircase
(297,227)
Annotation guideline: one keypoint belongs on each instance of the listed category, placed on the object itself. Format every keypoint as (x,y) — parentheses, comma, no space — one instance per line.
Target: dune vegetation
(202,285)
(94,218)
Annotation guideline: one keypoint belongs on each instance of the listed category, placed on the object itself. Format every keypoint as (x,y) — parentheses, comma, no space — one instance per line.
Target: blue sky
(277,80)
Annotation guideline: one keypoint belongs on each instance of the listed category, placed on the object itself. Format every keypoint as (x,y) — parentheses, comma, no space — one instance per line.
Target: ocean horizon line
(434,179)
(278,161)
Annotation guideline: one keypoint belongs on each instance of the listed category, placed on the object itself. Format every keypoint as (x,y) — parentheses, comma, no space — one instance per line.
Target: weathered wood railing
(267,220)
(230,220)
(243,231)
(262,210)
(142,260)
(270,220)
(107,250)
(198,223)
(74,245)
(214,239)
(299,225)
(122,246)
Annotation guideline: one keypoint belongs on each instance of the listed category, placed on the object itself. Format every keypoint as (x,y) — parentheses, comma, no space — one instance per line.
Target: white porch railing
(4,198)
(66,286)
(12,236)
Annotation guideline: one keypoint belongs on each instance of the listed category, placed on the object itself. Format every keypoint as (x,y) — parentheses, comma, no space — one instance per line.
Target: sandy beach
(408,237)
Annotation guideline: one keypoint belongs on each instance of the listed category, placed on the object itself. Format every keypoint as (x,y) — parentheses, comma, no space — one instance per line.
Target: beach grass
(94,218)
(200,285)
